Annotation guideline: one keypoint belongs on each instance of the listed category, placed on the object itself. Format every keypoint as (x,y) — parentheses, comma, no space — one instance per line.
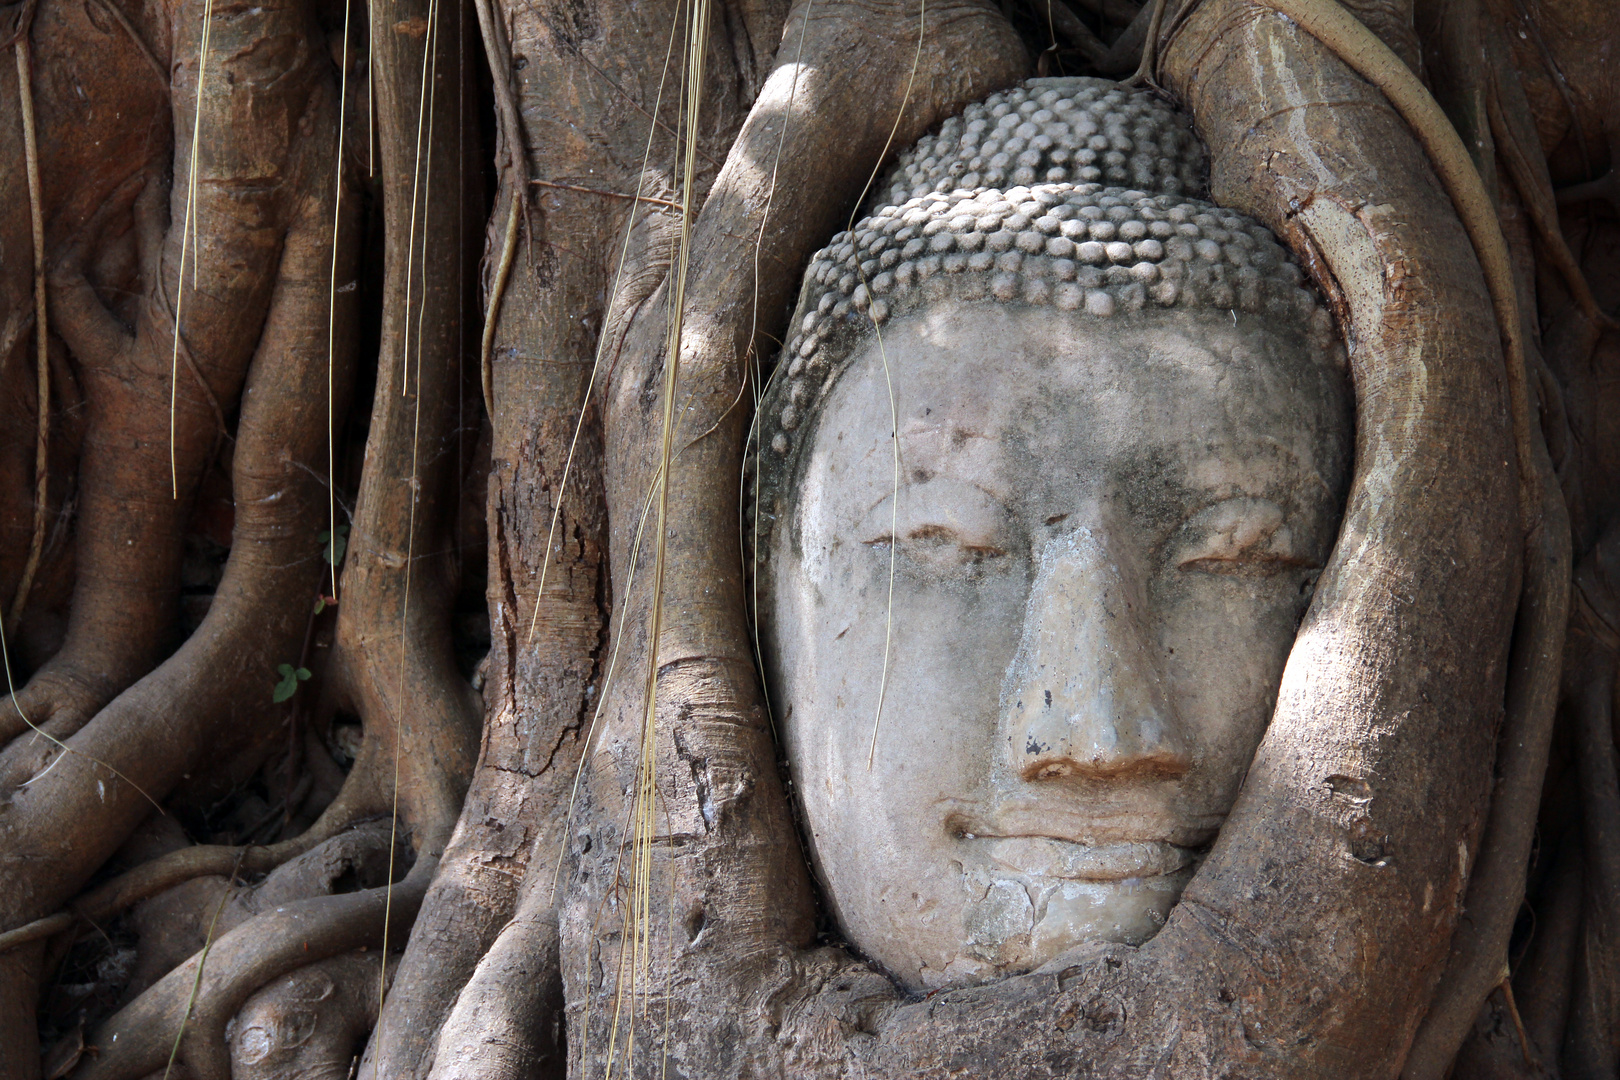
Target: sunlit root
(1180,1005)
(744,869)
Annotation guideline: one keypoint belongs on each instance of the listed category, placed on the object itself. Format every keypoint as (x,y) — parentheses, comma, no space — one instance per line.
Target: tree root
(740,866)
(176,924)
(184,864)
(1591,1038)
(213,695)
(42,474)
(507,1020)
(1496,883)
(1276,960)
(1360,49)
(311,1023)
(154,401)
(196,1009)
(95,129)
(1514,131)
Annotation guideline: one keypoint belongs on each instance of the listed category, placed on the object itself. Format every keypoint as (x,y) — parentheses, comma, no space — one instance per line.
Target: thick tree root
(197,1008)
(155,403)
(740,874)
(507,1021)
(310,1024)
(185,864)
(1243,977)
(100,125)
(213,696)
(174,926)
(393,645)
(1591,1037)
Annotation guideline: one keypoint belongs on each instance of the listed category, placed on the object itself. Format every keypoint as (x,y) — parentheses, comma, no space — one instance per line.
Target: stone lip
(1054,857)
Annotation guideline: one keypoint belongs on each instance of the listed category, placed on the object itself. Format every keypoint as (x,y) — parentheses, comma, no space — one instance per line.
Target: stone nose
(1085,696)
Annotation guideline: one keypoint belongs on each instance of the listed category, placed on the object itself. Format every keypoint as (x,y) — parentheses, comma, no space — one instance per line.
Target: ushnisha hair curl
(1101,219)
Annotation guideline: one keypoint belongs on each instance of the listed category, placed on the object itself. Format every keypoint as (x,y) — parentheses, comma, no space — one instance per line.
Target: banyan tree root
(157,406)
(106,124)
(548,582)
(1590,1044)
(172,869)
(311,1023)
(393,643)
(181,922)
(507,1022)
(196,1009)
(391,664)
(213,694)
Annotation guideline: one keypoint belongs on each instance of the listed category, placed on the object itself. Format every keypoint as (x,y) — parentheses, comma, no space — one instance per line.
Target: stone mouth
(1054,857)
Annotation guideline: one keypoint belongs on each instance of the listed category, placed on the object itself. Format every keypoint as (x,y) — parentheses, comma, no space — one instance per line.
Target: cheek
(948,643)
(1225,643)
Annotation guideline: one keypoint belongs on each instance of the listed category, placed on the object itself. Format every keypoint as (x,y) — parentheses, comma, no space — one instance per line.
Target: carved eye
(1238,537)
(943,525)
(942,547)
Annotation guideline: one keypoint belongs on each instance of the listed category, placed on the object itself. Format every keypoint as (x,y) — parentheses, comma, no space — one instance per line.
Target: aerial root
(504,1025)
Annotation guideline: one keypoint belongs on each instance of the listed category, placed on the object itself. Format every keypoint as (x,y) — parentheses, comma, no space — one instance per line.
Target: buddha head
(1045,477)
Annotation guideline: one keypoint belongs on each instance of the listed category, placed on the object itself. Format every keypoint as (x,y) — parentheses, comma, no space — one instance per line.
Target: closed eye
(934,541)
(944,525)
(1239,537)
(1260,563)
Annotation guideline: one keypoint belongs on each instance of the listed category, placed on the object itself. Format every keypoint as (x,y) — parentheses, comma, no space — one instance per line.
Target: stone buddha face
(1045,498)
(1102,542)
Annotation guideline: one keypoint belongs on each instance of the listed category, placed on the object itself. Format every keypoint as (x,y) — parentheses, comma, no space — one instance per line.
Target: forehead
(1012,399)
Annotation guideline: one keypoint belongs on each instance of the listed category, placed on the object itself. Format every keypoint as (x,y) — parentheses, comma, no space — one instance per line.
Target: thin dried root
(495,49)
(42,476)
(1535,188)
(190,1012)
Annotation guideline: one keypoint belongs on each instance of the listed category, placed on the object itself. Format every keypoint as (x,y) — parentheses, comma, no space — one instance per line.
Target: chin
(1016,922)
